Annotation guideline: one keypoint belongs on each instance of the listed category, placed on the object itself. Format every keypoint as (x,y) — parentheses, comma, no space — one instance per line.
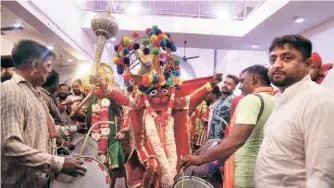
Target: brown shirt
(25,151)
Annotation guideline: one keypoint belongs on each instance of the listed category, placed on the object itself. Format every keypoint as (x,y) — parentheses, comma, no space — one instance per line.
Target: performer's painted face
(159,97)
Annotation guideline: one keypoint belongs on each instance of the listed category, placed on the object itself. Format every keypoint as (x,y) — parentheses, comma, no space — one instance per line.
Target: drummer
(247,134)
(26,128)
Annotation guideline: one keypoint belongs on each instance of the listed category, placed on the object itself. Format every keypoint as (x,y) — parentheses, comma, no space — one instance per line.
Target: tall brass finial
(105,24)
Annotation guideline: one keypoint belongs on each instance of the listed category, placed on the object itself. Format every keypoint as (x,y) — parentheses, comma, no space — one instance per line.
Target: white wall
(6,46)
(322,38)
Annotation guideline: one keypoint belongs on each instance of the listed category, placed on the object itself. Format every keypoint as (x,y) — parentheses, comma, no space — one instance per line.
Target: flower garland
(167,161)
(100,133)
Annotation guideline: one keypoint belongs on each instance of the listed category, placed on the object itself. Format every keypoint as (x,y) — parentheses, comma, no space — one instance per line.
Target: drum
(96,176)
(207,174)
(91,149)
(191,182)
(208,146)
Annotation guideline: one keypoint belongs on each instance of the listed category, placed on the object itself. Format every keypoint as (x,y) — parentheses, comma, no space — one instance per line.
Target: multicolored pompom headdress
(153,54)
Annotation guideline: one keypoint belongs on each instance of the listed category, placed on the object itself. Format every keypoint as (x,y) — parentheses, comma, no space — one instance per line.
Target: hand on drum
(73,167)
(69,145)
(189,160)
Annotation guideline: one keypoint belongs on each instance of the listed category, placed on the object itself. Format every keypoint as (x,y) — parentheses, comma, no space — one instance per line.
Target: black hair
(216,91)
(234,78)
(27,51)
(78,80)
(298,42)
(261,71)
(51,79)
(62,85)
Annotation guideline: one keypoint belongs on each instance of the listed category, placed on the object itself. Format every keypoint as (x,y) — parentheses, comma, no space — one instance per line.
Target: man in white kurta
(298,146)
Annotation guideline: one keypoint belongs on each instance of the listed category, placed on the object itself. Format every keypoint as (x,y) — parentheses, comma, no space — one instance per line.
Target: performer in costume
(201,122)
(317,70)
(158,141)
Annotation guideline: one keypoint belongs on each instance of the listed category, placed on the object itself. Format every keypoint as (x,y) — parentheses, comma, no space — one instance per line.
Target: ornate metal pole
(104,26)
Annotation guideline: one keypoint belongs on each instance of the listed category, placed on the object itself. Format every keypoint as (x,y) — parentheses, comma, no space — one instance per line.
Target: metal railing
(236,9)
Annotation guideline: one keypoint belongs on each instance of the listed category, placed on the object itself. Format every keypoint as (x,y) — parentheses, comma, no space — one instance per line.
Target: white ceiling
(8,19)
(281,22)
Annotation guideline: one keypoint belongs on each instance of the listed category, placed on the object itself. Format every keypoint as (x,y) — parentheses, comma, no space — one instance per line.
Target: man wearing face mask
(298,145)
(27,128)
(220,116)
(7,67)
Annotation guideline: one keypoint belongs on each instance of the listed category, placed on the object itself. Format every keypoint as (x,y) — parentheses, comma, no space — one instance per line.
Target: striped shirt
(26,154)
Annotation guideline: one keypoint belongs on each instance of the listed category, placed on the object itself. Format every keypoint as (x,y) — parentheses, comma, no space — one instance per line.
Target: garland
(167,161)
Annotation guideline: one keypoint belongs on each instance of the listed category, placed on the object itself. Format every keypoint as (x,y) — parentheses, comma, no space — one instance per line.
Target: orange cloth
(229,163)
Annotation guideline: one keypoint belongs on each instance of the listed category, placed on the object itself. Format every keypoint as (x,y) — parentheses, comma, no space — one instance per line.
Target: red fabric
(316,59)
(190,86)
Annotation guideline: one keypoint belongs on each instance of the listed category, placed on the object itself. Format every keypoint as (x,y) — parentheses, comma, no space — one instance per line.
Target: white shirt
(298,146)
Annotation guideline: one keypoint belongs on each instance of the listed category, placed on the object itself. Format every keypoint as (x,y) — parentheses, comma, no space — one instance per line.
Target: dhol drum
(91,149)
(206,175)
(96,176)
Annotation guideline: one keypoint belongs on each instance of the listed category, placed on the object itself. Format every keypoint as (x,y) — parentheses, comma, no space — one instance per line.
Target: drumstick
(224,122)
(87,135)
(66,103)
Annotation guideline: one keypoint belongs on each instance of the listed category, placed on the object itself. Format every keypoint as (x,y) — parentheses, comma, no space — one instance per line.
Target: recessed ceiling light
(50,47)
(69,60)
(222,13)
(17,25)
(299,19)
(255,46)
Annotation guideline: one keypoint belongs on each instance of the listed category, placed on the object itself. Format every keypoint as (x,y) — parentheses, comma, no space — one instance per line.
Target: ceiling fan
(185,58)
(61,64)
(13,28)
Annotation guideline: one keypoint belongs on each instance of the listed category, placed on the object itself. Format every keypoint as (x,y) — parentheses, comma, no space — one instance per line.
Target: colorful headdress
(153,53)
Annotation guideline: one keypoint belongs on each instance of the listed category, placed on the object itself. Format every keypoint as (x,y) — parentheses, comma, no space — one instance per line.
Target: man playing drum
(251,114)
(27,129)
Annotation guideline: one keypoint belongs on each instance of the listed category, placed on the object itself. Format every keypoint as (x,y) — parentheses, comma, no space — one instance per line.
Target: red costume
(160,108)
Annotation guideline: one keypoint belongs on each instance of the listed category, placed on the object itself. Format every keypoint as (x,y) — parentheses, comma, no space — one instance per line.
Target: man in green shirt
(245,139)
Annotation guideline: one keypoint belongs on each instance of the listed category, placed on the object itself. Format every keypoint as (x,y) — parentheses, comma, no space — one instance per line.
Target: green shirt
(247,112)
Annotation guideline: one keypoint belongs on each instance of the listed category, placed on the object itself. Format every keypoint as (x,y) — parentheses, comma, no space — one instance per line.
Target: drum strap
(261,108)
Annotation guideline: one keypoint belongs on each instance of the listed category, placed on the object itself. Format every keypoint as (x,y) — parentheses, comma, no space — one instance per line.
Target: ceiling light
(299,19)
(69,60)
(255,46)
(113,39)
(50,47)
(134,8)
(222,13)
(17,25)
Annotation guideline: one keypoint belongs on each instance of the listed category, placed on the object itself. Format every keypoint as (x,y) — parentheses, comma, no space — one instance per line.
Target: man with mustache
(245,138)
(298,145)
(222,109)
